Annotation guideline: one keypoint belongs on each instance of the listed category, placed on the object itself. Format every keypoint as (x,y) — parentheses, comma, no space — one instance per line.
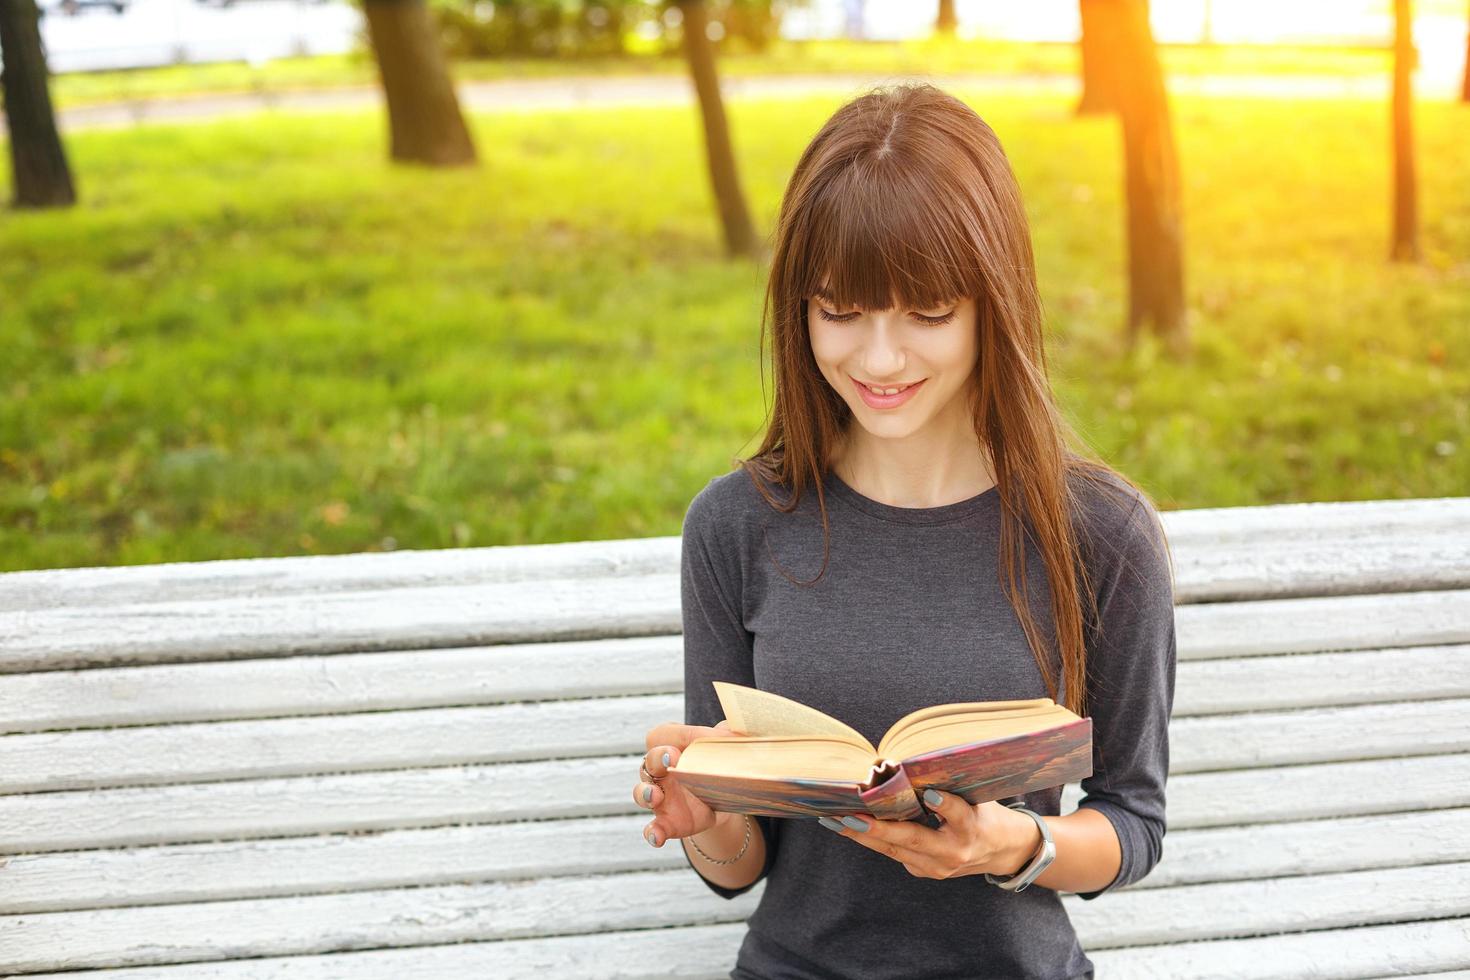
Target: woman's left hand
(974,838)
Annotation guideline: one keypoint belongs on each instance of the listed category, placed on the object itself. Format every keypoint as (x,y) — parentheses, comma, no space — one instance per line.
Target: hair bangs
(879,239)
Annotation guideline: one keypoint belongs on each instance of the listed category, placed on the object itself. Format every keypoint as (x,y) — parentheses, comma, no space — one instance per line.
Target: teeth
(887,391)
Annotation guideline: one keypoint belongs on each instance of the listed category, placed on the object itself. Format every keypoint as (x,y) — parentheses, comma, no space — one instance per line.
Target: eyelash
(933,321)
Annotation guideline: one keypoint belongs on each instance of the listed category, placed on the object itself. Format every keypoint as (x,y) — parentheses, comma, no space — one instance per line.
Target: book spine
(893,798)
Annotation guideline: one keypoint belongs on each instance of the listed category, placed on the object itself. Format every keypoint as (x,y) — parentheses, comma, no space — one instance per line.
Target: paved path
(531,95)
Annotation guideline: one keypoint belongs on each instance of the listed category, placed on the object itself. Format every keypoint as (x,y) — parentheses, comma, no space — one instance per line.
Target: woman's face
(933,349)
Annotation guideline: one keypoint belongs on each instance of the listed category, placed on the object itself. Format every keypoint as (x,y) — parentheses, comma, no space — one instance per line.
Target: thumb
(951,807)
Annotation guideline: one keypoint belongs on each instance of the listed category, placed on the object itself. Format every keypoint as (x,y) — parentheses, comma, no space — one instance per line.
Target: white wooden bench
(419,763)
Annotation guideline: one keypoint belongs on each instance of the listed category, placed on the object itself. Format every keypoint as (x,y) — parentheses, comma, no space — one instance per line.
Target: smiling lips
(873,400)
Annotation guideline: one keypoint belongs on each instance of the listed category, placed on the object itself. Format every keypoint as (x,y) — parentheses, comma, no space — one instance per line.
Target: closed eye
(934,321)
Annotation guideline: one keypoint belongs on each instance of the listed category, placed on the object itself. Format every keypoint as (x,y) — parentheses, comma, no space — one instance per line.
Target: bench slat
(708,952)
(71,820)
(1409,949)
(636,605)
(523,732)
(1232,532)
(658,899)
(212,871)
(341,683)
(344,683)
(313,575)
(339,622)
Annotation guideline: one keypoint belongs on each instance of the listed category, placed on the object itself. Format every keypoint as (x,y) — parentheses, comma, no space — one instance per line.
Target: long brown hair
(905,196)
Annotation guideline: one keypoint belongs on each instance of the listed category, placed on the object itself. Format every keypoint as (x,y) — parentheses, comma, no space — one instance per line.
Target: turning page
(753,712)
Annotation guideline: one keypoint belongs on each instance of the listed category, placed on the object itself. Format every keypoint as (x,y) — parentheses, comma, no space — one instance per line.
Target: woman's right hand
(677,812)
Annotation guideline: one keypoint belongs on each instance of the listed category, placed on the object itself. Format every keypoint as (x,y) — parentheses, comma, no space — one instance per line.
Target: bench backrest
(420,762)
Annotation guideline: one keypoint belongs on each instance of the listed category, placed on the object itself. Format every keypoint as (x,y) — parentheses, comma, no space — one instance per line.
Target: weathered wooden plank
(708,952)
(212,871)
(282,687)
(634,605)
(1305,680)
(527,731)
(1294,904)
(71,820)
(1352,521)
(339,622)
(1243,629)
(1284,569)
(656,899)
(1399,950)
(311,575)
(278,687)
(1300,530)
(686,953)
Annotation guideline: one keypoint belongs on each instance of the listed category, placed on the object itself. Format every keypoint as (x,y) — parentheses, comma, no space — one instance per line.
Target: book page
(946,733)
(971,709)
(754,712)
(779,758)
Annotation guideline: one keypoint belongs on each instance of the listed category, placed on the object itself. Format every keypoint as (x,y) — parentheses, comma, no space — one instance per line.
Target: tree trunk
(1097,98)
(423,112)
(1155,208)
(740,237)
(946,22)
(1465,81)
(1405,245)
(42,178)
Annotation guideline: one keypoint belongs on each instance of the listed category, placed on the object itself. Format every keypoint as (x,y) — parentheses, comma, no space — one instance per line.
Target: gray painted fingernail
(647,793)
(652,838)
(829,823)
(666,758)
(932,798)
(856,823)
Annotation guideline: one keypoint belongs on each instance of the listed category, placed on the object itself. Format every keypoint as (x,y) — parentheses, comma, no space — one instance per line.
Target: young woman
(915,530)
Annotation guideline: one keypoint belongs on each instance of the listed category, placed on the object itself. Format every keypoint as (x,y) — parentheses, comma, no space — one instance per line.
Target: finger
(953,809)
(678,733)
(659,759)
(883,836)
(647,795)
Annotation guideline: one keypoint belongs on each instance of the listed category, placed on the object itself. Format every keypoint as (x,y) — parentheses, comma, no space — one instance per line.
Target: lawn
(936,56)
(254,337)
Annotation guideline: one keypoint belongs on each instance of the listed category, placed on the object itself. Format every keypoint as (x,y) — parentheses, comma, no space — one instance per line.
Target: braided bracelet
(737,857)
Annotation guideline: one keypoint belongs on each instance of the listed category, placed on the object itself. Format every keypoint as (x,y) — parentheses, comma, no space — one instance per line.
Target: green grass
(936,56)
(254,337)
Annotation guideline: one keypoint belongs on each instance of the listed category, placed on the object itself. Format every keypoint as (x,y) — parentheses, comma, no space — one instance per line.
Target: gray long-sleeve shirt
(910,613)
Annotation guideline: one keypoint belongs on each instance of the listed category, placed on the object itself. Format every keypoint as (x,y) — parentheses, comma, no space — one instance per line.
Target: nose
(883,355)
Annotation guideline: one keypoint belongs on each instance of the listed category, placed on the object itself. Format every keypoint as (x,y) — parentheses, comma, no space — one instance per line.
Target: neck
(913,472)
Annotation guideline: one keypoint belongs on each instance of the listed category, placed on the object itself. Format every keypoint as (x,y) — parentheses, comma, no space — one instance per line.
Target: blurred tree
(423,110)
(1465,81)
(1096,99)
(946,22)
(1129,69)
(41,177)
(537,28)
(740,236)
(1405,245)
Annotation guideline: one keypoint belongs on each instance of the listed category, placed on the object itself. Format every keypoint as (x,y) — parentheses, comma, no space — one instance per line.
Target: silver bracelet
(737,857)
(1043,857)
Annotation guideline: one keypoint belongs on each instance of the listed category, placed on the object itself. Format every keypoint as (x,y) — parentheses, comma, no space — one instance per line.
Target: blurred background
(283,277)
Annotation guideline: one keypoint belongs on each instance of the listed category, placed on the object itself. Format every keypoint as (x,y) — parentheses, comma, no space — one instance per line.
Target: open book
(792,760)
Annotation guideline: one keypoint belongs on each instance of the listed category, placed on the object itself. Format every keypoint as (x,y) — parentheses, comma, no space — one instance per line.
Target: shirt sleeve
(1130,671)
(717,646)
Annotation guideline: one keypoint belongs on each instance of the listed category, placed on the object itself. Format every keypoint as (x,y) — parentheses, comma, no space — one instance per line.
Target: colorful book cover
(977,771)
